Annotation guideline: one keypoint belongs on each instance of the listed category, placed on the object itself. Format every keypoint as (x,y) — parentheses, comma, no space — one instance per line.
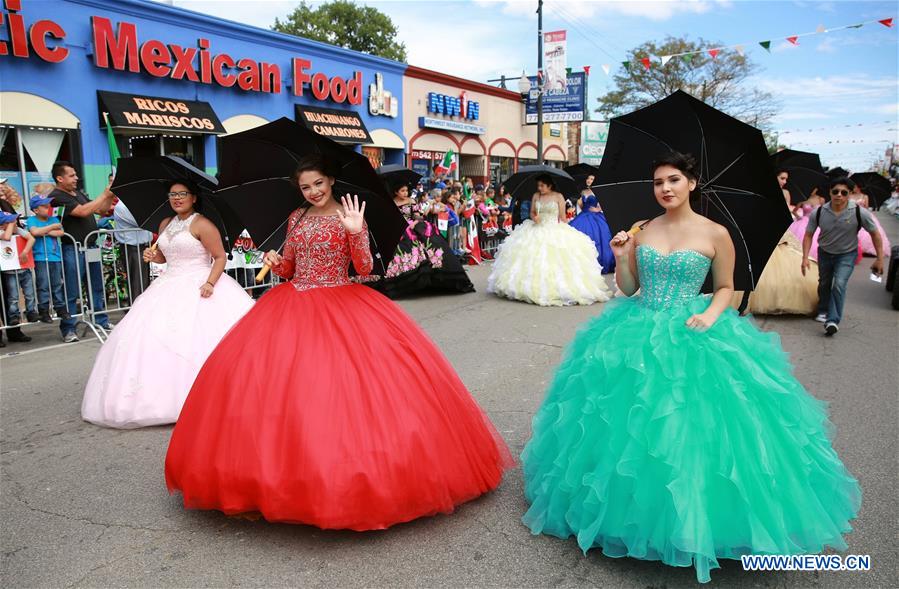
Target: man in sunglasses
(840,220)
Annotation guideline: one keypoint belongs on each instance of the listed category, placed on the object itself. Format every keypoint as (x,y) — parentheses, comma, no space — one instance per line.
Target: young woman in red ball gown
(326,404)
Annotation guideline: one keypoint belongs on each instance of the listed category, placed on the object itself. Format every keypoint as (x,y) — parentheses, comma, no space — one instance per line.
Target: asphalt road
(84,506)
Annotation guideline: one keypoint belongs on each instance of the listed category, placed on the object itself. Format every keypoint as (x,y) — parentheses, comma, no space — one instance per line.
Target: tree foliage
(722,82)
(345,24)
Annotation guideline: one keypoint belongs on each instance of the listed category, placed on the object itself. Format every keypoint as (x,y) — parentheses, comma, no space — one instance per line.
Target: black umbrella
(255,181)
(806,173)
(736,178)
(522,185)
(580,172)
(396,176)
(142,184)
(874,185)
(838,172)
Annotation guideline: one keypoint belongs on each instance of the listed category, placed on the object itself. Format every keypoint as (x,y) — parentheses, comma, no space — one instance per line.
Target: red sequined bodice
(318,252)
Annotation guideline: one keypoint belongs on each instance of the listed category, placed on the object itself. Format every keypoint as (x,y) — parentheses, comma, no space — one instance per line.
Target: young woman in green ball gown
(674,429)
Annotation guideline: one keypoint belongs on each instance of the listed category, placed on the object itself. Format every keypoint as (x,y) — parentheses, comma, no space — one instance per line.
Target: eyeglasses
(179,195)
(838,192)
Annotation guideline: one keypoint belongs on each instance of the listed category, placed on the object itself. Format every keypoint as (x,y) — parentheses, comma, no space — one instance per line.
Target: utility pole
(540,83)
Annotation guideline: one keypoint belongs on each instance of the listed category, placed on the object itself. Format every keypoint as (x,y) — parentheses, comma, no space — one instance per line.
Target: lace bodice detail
(318,252)
(672,279)
(181,249)
(547,212)
(409,210)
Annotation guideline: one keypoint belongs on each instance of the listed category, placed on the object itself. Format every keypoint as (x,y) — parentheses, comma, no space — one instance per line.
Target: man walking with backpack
(840,220)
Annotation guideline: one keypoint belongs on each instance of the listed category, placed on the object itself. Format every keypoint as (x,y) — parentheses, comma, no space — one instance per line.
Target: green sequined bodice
(672,279)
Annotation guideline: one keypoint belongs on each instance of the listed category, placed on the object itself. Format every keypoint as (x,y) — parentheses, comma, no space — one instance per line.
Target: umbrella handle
(261,274)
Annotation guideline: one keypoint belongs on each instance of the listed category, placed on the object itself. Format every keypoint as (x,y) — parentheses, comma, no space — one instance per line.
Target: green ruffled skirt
(658,442)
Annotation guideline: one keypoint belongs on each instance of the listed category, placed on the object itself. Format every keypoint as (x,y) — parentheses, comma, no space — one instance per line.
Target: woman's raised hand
(352,215)
(622,244)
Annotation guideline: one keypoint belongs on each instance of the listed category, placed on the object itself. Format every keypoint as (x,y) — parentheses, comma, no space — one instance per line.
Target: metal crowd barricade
(26,292)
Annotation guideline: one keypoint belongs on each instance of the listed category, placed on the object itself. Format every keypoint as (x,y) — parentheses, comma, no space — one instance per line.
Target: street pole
(540,83)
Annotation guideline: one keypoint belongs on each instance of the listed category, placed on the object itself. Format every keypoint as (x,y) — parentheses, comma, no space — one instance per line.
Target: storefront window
(375,155)
(27,155)
(501,168)
(187,147)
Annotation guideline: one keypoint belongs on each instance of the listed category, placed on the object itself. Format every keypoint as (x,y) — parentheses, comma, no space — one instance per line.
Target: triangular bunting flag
(793,40)
(646,62)
(740,49)
(626,64)
(587,69)
(606,68)
(568,71)
(766,45)
(821,29)
(687,58)
(714,53)
(666,59)
(887,22)
(858,26)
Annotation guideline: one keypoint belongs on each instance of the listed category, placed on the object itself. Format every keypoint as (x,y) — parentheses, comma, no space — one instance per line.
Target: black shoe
(32,317)
(63,313)
(831,328)
(16,336)
(45,316)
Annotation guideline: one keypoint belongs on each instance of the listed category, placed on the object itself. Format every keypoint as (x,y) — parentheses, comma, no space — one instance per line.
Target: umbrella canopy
(874,185)
(837,172)
(256,169)
(522,185)
(806,173)
(142,184)
(580,172)
(396,176)
(736,178)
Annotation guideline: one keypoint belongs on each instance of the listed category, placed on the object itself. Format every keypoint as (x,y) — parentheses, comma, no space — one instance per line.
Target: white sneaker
(830,328)
(821,317)
(70,337)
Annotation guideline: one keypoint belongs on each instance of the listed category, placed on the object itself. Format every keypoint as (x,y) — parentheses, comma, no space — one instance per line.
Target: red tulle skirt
(331,407)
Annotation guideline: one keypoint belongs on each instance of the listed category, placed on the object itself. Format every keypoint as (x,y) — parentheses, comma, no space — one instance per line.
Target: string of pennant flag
(740,48)
(876,124)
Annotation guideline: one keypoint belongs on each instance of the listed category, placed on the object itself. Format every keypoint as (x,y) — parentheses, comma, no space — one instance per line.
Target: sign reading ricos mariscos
(119,46)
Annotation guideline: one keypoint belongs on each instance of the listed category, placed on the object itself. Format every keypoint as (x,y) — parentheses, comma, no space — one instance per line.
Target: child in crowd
(46,229)
(13,280)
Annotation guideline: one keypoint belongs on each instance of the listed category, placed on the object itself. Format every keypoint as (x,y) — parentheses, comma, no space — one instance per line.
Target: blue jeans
(48,281)
(13,280)
(74,266)
(834,271)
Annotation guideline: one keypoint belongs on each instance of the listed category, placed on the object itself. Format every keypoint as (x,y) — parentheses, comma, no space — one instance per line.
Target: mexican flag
(113,148)
(448,165)
(471,228)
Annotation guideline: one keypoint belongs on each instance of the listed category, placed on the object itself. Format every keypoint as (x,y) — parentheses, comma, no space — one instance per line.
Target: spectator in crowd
(14,280)
(46,228)
(132,238)
(840,220)
(78,221)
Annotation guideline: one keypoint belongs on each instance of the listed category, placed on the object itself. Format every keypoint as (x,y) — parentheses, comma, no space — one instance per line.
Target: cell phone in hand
(876,277)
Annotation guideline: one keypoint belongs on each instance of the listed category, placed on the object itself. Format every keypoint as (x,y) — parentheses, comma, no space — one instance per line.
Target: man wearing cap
(840,220)
(78,221)
(46,230)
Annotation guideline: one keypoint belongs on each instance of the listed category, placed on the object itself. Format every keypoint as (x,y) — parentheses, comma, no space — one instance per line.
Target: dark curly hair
(313,163)
(546,179)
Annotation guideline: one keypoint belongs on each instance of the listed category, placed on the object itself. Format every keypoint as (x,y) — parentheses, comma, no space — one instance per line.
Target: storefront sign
(165,114)
(593,142)
(558,105)
(381,101)
(447,125)
(418,154)
(454,106)
(118,46)
(343,126)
